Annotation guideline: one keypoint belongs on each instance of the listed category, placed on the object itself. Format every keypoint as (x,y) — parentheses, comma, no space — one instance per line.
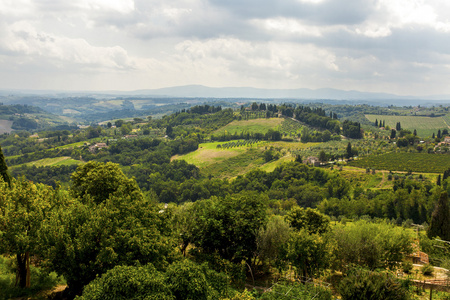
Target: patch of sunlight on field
(73,145)
(207,154)
(253,125)
(292,146)
(270,166)
(57,161)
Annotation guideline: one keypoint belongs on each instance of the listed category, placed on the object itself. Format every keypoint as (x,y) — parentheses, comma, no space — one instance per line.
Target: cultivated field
(254,125)
(425,126)
(416,162)
(57,161)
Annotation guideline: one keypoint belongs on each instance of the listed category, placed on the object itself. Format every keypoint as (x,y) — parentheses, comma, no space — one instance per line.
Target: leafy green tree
(128,282)
(120,227)
(229,225)
(271,237)
(308,253)
(371,245)
(440,219)
(23,208)
(98,181)
(362,284)
(309,219)
(4,169)
(119,123)
(190,281)
(126,128)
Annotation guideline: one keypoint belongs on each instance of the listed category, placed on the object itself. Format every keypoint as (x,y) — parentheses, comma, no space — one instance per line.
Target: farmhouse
(312,160)
(97,146)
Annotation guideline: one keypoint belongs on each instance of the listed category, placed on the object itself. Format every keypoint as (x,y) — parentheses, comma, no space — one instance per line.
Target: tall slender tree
(440,219)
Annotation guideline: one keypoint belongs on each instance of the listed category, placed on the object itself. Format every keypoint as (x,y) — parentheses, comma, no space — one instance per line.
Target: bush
(363,284)
(407,266)
(427,270)
(128,282)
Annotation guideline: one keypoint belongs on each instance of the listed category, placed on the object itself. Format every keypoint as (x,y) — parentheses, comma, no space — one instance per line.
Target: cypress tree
(438,182)
(440,219)
(4,168)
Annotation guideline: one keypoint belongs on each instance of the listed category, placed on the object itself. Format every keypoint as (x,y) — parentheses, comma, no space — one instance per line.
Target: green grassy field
(5,126)
(425,126)
(208,154)
(57,161)
(416,162)
(230,162)
(254,125)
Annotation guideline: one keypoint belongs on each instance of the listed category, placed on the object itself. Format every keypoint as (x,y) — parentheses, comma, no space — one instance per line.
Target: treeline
(47,175)
(317,117)
(19,109)
(204,123)
(270,135)
(203,109)
(352,129)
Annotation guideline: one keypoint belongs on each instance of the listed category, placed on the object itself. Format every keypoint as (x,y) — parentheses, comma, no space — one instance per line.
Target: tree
(322,156)
(438,181)
(370,245)
(110,223)
(309,219)
(376,122)
(4,169)
(393,133)
(229,225)
(349,150)
(190,281)
(308,253)
(169,131)
(128,282)
(99,181)
(23,208)
(126,129)
(271,237)
(119,123)
(440,219)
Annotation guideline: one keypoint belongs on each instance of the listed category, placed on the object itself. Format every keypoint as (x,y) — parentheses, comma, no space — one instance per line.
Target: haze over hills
(200,91)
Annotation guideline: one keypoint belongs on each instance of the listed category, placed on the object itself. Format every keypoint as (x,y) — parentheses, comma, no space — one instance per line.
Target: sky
(391,46)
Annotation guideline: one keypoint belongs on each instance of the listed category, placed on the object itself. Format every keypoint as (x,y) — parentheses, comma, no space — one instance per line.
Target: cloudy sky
(394,46)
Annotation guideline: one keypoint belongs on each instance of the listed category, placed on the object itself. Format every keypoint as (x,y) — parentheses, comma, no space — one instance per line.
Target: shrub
(364,284)
(427,270)
(407,266)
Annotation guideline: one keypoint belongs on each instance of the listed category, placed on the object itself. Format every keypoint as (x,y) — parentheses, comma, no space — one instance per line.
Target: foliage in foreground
(362,284)
(183,280)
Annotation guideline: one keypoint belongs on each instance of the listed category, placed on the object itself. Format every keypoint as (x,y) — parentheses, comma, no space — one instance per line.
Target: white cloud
(25,43)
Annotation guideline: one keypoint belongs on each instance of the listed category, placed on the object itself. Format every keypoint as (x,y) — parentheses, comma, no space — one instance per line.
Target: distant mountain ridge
(200,91)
